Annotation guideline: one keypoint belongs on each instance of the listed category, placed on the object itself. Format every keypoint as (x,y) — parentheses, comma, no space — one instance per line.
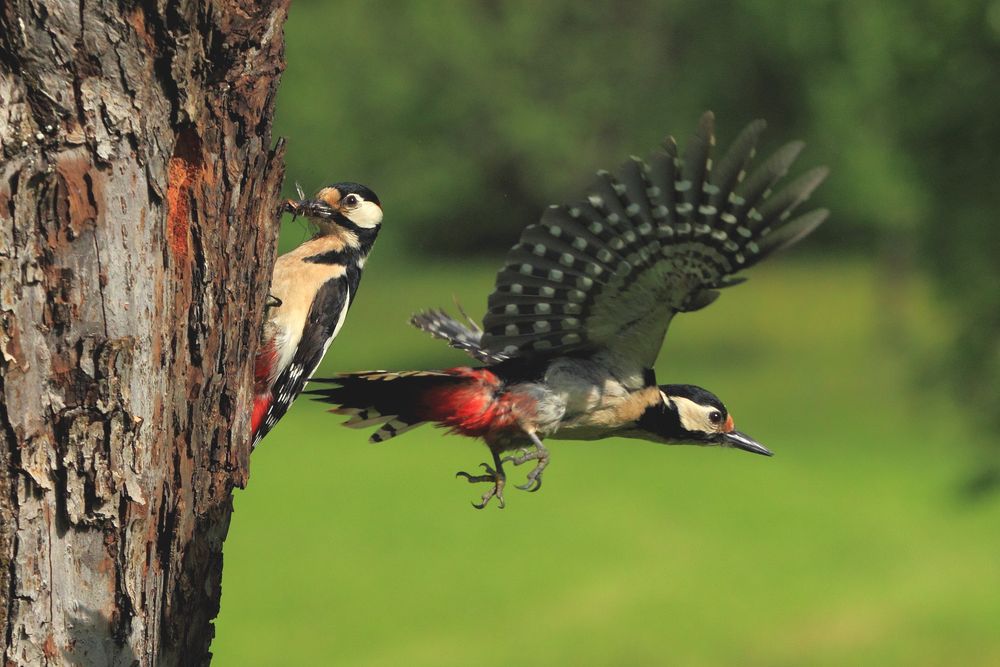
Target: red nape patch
(261,403)
(473,408)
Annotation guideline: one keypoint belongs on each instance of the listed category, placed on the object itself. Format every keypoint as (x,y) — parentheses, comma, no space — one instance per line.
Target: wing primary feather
(662,175)
(731,167)
(633,176)
(696,167)
(779,206)
(747,194)
(792,232)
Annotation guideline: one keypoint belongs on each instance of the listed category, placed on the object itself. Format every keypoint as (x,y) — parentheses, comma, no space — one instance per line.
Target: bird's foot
(539,454)
(495,477)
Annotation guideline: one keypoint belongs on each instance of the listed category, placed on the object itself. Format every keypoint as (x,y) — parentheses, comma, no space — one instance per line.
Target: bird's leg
(495,477)
(540,454)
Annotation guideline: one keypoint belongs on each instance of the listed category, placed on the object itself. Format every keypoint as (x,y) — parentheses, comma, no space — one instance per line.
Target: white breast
(295,283)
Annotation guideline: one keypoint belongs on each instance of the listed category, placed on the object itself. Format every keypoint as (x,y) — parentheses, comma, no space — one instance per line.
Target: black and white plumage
(466,336)
(583,302)
(653,240)
(312,289)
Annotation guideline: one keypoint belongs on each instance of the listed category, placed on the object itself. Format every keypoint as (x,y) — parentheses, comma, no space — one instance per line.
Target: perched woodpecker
(312,288)
(582,305)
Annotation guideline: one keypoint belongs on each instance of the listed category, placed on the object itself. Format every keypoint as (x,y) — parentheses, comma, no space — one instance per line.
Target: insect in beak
(311,208)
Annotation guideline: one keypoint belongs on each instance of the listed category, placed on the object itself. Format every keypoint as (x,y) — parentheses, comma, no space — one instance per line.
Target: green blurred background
(867,358)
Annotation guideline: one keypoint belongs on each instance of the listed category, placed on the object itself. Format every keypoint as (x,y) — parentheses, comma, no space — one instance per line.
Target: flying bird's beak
(744,442)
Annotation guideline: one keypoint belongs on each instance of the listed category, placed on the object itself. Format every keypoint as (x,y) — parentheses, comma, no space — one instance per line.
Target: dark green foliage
(953,135)
(475,116)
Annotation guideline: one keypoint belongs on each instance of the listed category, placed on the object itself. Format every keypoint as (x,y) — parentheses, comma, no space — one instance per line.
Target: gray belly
(586,394)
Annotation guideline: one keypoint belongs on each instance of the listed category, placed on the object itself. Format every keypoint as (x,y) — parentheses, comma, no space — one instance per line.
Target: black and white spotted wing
(326,316)
(653,240)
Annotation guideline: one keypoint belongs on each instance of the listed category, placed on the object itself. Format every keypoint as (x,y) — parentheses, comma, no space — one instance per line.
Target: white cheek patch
(367,215)
(694,417)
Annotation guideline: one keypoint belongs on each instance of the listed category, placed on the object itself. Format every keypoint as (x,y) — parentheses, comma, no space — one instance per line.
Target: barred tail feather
(361,418)
(392,400)
(392,428)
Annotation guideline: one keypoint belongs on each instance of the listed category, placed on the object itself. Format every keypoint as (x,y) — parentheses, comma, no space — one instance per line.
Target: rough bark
(138,192)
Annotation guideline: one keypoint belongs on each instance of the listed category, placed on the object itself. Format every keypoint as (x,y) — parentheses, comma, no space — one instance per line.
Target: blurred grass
(848,547)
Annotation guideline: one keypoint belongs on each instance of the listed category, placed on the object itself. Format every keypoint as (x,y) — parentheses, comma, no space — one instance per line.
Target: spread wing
(655,239)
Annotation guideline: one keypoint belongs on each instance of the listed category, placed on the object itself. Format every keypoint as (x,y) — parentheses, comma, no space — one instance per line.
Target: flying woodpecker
(312,288)
(581,307)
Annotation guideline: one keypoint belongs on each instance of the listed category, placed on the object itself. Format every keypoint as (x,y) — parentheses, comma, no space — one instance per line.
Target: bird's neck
(662,420)
(347,238)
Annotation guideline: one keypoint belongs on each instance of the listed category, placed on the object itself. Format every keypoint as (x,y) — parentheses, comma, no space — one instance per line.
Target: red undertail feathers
(261,402)
(469,401)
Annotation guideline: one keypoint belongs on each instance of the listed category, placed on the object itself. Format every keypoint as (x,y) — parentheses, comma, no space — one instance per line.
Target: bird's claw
(534,481)
(490,475)
(522,456)
(539,454)
(496,477)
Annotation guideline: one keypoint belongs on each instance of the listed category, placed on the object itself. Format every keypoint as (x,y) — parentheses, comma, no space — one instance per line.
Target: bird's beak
(311,208)
(744,442)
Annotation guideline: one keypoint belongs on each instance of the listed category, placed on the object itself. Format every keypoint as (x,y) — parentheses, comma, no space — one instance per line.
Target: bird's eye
(715,417)
(351,200)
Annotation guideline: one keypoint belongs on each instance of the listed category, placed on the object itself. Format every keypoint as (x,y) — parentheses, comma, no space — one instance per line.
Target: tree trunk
(138,199)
